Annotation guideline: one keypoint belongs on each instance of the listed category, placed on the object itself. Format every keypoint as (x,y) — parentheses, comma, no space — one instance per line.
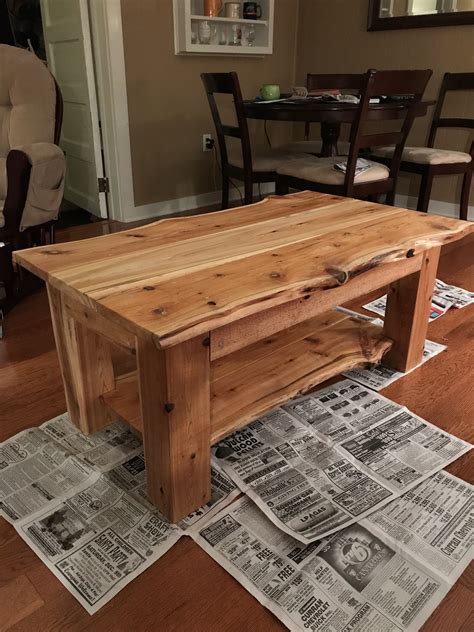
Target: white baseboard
(180,205)
(436,206)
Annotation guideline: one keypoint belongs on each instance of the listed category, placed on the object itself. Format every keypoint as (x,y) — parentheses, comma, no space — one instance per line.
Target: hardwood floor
(181,590)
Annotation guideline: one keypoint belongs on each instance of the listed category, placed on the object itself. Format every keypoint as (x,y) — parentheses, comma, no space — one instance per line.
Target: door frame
(109,58)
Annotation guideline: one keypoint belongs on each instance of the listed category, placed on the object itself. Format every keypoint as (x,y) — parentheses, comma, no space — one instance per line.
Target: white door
(67,38)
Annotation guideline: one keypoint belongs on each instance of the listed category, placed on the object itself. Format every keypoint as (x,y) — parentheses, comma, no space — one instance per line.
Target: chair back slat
(383,138)
(451,83)
(387,83)
(218,82)
(231,130)
(397,82)
(228,83)
(334,82)
(319,82)
(458,81)
(456,122)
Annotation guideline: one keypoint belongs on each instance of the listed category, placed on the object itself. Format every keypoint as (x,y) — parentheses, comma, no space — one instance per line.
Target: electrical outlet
(207,142)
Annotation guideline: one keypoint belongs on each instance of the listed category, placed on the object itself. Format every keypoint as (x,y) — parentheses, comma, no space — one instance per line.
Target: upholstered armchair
(32,166)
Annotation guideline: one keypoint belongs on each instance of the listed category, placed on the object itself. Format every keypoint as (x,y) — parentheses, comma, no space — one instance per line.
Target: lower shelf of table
(251,381)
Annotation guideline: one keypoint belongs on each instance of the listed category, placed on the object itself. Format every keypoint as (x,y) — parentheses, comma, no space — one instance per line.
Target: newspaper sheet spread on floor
(380,376)
(80,503)
(331,458)
(386,573)
(444,297)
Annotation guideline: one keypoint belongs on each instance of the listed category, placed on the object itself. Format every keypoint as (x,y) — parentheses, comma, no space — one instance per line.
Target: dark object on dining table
(429,162)
(320,174)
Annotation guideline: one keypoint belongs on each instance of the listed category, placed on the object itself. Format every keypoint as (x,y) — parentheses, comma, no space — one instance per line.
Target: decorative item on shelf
(248,35)
(214,34)
(212,8)
(232,10)
(204,32)
(270,92)
(252,11)
(236,38)
(223,36)
(193,36)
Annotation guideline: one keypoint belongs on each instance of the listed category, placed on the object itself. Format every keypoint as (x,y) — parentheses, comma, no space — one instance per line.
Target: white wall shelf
(254,37)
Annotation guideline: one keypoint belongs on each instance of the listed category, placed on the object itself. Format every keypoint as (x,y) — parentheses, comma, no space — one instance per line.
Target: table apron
(243,332)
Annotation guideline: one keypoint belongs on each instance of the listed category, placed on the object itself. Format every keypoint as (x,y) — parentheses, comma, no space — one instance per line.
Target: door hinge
(103,185)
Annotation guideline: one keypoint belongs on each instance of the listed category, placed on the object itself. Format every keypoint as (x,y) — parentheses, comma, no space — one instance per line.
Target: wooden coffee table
(229,314)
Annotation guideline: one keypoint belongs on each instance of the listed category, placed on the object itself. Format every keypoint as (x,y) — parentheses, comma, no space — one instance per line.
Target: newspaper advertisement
(358,580)
(98,540)
(130,476)
(379,376)
(444,297)
(42,464)
(80,503)
(439,306)
(457,295)
(331,458)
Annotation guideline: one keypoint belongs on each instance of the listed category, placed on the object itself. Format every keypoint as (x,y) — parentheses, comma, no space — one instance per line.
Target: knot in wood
(275,275)
(169,407)
(410,253)
(159,311)
(341,276)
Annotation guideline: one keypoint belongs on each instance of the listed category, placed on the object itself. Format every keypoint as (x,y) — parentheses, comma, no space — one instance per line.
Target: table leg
(86,367)
(329,135)
(175,408)
(407,314)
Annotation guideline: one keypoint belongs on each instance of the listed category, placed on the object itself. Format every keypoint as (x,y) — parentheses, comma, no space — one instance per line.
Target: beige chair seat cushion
(321,170)
(425,155)
(268,160)
(314,147)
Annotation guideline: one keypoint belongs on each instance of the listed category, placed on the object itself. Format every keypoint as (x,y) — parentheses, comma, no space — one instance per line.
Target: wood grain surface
(181,589)
(249,382)
(179,278)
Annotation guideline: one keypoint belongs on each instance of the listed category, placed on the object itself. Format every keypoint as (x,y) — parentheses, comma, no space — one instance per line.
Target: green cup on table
(270,92)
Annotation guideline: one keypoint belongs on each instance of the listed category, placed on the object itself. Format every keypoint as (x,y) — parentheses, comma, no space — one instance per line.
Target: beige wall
(168,110)
(332,37)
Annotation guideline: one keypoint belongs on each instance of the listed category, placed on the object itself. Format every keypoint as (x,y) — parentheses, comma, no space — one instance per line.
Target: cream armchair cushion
(27,107)
(425,155)
(322,170)
(46,186)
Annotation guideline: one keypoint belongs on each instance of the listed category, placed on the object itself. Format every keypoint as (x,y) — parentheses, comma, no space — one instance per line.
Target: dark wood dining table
(331,114)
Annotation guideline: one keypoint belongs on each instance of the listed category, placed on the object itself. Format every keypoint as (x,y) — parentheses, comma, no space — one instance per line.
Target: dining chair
(316,84)
(245,165)
(430,161)
(320,174)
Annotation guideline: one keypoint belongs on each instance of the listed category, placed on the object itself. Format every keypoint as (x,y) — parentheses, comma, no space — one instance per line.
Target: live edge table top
(181,277)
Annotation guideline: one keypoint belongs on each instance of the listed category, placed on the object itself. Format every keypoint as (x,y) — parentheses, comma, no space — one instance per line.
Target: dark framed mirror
(411,14)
